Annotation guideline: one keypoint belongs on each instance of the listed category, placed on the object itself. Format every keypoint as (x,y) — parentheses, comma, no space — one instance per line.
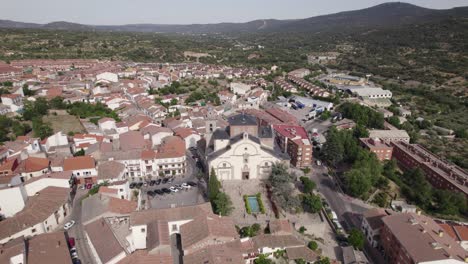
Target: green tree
(360,132)
(358,182)
(27,91)
(323,260)
(395,121)
(214,185)
(308,184)
(80,152)
(58,103)
(312,203)
(262,259)
(356,238)
(312,245)
(222,204)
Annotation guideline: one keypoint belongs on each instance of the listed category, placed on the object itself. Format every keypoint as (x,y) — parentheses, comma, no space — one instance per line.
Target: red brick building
(294,141)
(439,173)
(382,150)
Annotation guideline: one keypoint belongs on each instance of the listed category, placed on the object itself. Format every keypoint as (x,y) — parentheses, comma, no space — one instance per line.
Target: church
(245,150)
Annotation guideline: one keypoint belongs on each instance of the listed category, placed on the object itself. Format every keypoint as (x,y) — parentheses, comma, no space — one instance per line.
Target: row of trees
(11,128)
(220,201)
(362,115)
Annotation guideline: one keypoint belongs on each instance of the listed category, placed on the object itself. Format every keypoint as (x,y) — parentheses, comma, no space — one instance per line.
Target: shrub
(247,205)
(302,229)
(260,203)
(313,245)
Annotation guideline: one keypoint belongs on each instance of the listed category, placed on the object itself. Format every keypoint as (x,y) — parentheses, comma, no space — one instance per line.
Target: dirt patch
(65,123)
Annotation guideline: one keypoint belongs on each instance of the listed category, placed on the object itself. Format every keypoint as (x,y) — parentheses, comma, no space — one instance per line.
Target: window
(143,230)
(174,227)
(245,149)
(33,230)
(224,165)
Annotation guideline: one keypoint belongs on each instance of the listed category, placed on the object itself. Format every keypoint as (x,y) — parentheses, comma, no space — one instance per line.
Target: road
(338,201)
(347,208)
(77,231)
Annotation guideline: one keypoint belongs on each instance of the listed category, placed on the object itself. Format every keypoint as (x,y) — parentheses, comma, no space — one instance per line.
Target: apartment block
(375,145)
(294,140)
(439,173)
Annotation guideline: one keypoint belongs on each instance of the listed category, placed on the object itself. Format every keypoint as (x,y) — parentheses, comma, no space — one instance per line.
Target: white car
(173,189)
(186,186)
(69,225)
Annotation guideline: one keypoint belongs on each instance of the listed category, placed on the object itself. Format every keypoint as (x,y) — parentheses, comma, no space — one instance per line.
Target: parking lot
(174,197)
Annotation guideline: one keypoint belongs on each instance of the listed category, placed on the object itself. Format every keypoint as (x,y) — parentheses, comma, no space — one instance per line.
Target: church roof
(242,120)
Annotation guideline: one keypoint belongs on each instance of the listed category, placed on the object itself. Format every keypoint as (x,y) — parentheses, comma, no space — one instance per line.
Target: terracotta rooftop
(169,214)
(184,132)
(282,226)
(172,147)
(79,163)
(131,140)
(48,248)
(110,170)
(103,240)
(419,236)
(228,253)
(33,164)
(206,227)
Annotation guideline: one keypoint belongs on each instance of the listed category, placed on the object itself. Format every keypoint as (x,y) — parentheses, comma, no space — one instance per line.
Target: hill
(383,15)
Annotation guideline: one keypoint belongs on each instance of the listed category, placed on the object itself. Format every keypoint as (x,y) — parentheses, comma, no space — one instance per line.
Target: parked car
(158,181)
(158,192)
(69,225)
(191,183)
(73,253)
(71,242)
(150,193)
(76,261)
(166,190)
(178,187)
(300,105)
(139,185)
(173,189)
(152,183)
(171,179)
(165,180)
(132,185)
(319,163)
(186,186)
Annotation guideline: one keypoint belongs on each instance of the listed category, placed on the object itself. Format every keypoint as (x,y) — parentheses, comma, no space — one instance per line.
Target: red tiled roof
(172,147)
(79,163)
(33,164)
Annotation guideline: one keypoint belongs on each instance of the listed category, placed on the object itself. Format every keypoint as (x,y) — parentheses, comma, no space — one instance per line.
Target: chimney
(441,233)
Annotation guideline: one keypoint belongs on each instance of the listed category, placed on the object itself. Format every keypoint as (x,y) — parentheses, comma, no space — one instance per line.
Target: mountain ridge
(389,14)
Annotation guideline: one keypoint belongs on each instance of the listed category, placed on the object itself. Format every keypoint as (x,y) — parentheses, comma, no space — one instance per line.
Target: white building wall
(231,164)
(139,236)
(37,186)
(12,201)
(157,138)
(108,76)
(108,125)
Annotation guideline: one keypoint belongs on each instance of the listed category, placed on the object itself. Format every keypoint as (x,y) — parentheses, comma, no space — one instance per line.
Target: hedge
(247,205)
(260,203)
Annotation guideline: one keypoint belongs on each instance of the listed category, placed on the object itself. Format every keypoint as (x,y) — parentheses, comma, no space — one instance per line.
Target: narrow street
(77,231)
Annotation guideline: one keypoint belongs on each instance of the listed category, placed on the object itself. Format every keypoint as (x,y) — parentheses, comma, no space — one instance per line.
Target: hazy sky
(114,12)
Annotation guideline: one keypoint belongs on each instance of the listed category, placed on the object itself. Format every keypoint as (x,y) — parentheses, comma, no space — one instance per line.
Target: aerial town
(125,164)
